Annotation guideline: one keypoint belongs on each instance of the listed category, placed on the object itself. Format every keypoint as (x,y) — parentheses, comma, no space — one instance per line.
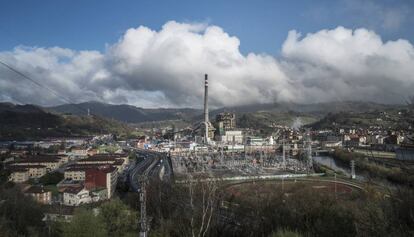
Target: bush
(51,178)
(84,223)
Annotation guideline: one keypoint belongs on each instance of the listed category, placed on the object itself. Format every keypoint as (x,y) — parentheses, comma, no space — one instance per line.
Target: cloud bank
(165,68)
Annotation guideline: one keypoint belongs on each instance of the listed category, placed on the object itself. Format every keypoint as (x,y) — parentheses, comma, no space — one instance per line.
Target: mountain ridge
(132,114)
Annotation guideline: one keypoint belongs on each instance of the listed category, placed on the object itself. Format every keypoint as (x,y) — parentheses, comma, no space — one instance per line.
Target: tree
(84,224)
(51,178)
(119,219)
(203,204)
(19,214)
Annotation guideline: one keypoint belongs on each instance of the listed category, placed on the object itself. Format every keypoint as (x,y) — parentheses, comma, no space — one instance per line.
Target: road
(153,165)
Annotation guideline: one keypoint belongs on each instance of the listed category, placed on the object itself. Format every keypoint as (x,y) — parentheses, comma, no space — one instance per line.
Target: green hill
(23,122)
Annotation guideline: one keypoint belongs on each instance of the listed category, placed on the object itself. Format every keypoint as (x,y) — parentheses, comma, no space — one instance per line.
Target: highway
(153,165)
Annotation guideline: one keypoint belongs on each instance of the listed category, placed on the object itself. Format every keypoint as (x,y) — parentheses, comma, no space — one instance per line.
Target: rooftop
(36,189)
(73,190)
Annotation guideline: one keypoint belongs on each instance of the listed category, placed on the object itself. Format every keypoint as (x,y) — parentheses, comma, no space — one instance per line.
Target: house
(99,194)
(107,159)
(40,194)
(66,183)
(4,151)
(102,177)
(75,173)
(51,162)
(355,140)
(58,213)
(92,152)
(18,153)
(79,151)
(18,174)
(34,171)
(75,196)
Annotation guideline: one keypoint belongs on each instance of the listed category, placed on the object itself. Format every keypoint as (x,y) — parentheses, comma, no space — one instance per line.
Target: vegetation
(24,123)
(51,178)
(84,224)
(395,175)
(252,211)
(4,174)
(112,218)
(391,118)
(19,214)
(209,209)
(118,218)
(265,120)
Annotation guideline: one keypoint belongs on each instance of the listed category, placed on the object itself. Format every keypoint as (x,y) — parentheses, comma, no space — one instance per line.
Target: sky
(155,53)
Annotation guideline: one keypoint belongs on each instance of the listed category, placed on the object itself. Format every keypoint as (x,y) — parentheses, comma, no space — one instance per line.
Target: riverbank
(397,175)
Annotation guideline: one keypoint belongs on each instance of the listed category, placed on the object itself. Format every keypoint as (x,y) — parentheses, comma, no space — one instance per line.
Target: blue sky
(261,26)
(155,53)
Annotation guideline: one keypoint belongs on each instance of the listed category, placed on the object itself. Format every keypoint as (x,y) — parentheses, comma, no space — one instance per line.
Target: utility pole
(144,228)
(283,154)
(309,152)
(335,186)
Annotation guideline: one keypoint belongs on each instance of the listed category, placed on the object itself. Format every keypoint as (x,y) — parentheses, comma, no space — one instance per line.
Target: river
(337,166)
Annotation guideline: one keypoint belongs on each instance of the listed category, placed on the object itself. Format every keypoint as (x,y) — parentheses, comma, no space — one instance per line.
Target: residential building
(18,174)
(75,173)
(40,194)
(51,162)
(120,161)
(102,177)
(79,151)
(75,196)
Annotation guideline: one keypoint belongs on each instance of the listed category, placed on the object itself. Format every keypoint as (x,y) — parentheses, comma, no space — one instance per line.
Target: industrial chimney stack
(206,120)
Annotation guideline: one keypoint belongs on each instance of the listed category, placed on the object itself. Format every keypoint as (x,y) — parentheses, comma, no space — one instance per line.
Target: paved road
(149,164)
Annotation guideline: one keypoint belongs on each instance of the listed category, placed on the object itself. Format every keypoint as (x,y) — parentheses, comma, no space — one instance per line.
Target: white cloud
(350,64)
(165,68)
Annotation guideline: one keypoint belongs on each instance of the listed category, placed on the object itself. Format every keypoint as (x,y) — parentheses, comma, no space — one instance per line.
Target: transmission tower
(144,227)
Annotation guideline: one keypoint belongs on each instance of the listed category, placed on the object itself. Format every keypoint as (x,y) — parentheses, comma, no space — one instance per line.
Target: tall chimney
(206,120)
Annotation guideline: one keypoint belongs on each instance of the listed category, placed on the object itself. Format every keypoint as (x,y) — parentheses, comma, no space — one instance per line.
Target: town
(65,173)
(207,118)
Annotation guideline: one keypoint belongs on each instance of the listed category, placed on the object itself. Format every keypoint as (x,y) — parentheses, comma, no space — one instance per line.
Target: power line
(42,86)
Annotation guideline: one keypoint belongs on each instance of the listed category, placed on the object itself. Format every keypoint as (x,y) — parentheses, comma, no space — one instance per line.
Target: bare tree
(203,200)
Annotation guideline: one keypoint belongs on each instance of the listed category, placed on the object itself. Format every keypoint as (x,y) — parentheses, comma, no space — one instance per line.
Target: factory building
(232,137)
(225,122)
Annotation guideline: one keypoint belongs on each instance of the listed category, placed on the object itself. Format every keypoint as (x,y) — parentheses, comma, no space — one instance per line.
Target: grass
(396,175)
